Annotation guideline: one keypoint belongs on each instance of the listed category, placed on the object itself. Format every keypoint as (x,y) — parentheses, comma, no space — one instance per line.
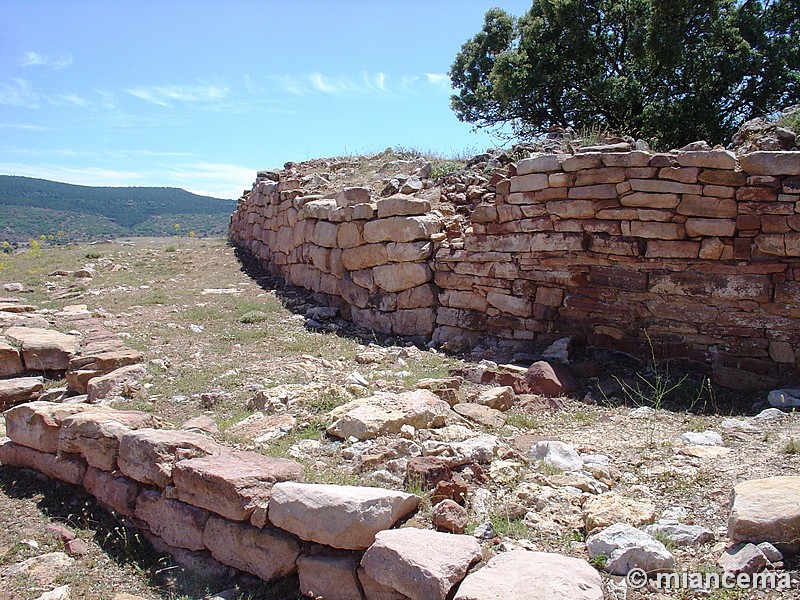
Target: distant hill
(30,208)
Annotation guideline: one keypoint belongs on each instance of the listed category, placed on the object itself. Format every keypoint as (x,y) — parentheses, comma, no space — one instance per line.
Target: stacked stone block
(370,258)
(696,253)
(216,509)
(698,249)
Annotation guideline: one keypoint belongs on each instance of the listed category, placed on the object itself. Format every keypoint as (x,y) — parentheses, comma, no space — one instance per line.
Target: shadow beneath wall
(72,506)
(300,301)
(604,377)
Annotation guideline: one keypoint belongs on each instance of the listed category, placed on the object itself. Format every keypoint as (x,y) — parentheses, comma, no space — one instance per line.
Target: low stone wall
(695,253)
(213,508)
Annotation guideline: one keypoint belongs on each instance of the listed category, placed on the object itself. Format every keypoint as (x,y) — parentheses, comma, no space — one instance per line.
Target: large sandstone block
(265,553)
(771,163)
(177,523)
(659,186)
(654,230)
(397,277)
(332,577)
(708,159)
(340,516)
(83,368)
(512,305)
(149,455)
(648,200)
(232,484)
(44,349)
(414,321)
(365,257)
(114,491)
(19,389)
(96,434)
(524,575)
(114,382)
(710,227)
(409,252)
(350,196)
(766,510)
(402,229)
(529,183)
(385,413)
(67,467)
(401,205)
(37,424)
(541,163)
(705,206)
(10,361)
(422,564)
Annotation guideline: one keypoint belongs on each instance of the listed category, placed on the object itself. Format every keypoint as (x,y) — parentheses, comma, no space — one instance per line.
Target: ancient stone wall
(698,251)
(213,508)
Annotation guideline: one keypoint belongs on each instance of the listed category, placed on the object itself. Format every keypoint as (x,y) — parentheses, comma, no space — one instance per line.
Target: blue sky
(200,94)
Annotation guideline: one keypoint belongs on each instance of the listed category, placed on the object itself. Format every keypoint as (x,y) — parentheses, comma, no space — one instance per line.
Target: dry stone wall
(696,253)
(215,509)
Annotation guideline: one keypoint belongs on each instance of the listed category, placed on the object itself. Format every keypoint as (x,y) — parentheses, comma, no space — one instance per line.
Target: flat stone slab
(232,484)
(19,389)
(523,575)
(265,553)
(113,490)
(44,349)
(766,510)
(96,434)
(149,455)
(177,523)
(103,386)
(340,516)
(10,361)
(422,564)
(386,413)
(84,368)
(37,424)
(67,467)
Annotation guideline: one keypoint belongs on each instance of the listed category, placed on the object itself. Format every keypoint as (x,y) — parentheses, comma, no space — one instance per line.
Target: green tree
(672,72)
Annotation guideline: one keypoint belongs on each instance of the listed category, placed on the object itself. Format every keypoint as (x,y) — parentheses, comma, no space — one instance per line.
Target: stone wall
(698,251)
(215,509)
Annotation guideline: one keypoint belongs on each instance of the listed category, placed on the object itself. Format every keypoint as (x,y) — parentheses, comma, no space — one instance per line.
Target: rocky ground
(260,366)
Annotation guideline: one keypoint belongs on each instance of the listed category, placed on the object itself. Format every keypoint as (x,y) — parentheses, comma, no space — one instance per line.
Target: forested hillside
(35,207)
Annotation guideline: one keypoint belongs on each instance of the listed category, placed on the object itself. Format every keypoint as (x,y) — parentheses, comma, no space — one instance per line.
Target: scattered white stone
(629,548)
(557,455)
(679,533)
(737,425)
(704,438)
(480,449)
(196,328)
(770,414)
(643,412)
(558,351)
(60,593)
(356,378)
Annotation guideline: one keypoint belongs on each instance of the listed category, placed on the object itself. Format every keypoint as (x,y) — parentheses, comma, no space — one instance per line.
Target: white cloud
(438,79)
(19,93)
(22,126)
(78,176)
(34,59)
(221,180)
(166,95)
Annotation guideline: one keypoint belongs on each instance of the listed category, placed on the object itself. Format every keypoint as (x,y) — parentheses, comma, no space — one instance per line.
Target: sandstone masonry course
(700,250)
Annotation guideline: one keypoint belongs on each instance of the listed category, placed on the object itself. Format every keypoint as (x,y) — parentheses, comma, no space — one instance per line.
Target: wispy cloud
(22,126)
(19,92)
(222,180)
(168,94)
(78,176)
(34,59)
(365,83)
(438,79)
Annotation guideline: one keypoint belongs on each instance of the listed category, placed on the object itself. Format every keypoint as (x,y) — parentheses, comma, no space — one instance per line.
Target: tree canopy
(670,71)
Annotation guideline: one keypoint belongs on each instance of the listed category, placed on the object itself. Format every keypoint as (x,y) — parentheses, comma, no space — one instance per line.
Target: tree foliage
(670,71)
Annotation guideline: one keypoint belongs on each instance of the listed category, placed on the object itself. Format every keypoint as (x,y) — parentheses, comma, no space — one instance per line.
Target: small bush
(93,254)
(170,249)
(254,316)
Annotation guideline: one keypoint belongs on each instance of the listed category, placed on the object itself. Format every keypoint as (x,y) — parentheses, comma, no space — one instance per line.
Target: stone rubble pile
(94,361)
